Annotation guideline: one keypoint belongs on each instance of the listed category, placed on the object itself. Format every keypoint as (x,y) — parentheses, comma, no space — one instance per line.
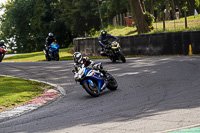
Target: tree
(191,6)
(137,12)
(142,5)
(167,13)
(151,7)
(16,24)
(111,8)
(173,9)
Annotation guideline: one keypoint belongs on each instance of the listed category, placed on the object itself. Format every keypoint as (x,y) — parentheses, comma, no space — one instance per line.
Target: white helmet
(77,57)
(50,34)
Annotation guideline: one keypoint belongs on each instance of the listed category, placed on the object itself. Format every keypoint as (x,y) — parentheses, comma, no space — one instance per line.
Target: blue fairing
(95,77)
(54,46)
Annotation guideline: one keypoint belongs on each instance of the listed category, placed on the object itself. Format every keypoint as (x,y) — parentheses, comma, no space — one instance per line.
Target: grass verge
(170,26)
(15,92)
(38,56)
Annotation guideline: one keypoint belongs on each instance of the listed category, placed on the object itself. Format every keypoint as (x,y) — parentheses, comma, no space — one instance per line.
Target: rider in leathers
(86,61)
(103,40)
(2,43)
(50,38)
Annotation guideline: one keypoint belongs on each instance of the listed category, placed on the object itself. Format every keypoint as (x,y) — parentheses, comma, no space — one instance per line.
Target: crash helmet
(77,57)
(2,42)
(103,33)
(50,34)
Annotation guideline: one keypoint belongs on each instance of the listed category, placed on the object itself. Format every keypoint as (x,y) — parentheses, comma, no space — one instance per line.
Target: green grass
(118,31)
(178,25)
(14,91)
(170,26)
(38,56)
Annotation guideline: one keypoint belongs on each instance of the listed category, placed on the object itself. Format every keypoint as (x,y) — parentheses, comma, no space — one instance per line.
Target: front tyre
(122,58)
(92,90)
(57,57)
(112,85)
(113,59)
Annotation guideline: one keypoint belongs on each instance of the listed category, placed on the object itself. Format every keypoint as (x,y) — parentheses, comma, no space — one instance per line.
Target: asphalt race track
(155,94)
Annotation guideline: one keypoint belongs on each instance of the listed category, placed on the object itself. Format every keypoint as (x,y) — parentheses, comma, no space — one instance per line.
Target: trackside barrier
(173,43)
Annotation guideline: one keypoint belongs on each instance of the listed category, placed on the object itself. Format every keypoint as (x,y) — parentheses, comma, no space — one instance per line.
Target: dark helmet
(50,34)
(103,33)
(77,57)
(2,42)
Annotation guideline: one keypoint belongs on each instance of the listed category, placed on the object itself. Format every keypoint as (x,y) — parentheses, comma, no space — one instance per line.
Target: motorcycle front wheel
(113,59)
(92,90)
(57,57)
(122,58)
(112,85)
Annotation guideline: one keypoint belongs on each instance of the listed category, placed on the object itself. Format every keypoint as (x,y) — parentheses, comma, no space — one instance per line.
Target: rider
(103,40)
(50,38)
(79,60)
(2,43)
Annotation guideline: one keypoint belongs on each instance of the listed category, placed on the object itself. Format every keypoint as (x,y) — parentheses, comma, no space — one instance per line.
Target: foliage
(111,8)
(149,19)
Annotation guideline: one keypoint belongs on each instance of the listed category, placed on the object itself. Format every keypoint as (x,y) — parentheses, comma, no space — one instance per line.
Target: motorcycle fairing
(90,74)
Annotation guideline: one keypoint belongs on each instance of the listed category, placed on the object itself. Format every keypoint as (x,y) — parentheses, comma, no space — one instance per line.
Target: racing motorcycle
(2,52)
(93,81)
(52,52)
(113,52)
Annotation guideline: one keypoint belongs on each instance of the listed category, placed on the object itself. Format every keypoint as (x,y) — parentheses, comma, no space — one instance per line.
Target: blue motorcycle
(52,52)
(93,81)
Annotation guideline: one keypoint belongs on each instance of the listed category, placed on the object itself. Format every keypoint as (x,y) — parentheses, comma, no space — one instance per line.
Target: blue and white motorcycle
(52,52)
(93,81)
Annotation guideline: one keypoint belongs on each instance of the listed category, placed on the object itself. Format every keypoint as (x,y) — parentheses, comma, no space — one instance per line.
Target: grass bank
(170,26)
(15,92)
(65,54)
(38,56)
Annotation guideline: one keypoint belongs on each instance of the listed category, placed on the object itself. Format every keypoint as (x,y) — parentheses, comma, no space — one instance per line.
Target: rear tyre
(48,58)
(92,90)
(112,85)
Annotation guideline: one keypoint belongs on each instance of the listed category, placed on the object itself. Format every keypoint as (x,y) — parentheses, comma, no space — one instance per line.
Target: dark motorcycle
(52,52)
(113,52)
(2,52)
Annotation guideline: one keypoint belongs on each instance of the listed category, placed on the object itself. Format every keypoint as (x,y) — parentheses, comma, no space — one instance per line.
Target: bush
(149,19)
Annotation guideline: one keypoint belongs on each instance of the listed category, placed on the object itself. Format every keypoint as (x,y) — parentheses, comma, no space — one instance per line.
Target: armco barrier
(173,43)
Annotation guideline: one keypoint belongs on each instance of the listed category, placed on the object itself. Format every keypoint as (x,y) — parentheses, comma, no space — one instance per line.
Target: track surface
(155,94)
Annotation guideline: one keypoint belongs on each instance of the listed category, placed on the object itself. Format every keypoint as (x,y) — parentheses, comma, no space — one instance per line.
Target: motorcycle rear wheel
(93,91)
(1,57)
(48,58)
(112,85)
